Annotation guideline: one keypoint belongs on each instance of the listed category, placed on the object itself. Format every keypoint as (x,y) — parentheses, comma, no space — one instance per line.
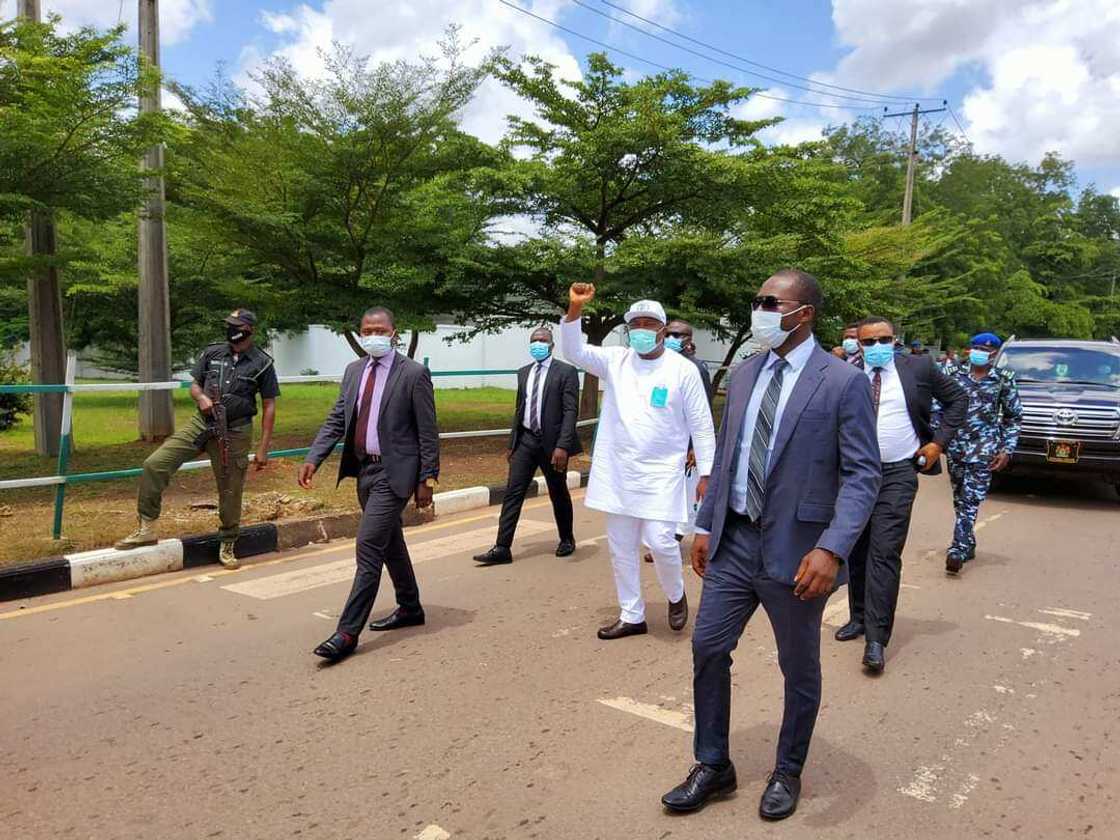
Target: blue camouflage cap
(986,339)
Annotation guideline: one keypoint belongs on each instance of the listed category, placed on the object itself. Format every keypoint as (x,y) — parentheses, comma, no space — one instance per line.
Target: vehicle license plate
(1063,451)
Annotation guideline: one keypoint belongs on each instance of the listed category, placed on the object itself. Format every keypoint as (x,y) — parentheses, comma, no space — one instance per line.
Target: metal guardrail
(62,479)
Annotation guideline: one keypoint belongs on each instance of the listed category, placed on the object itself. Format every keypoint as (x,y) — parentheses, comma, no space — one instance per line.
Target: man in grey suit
(386,418)
(795,479)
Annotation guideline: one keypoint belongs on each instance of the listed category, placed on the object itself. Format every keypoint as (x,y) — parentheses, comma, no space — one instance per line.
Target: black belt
(742,519)
(369,459)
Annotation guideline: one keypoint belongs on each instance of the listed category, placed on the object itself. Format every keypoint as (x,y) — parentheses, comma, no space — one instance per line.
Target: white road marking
(1048,629)
(677,720)
(924,783)
(1063,613)
(967,787)
(1027,652)
(1002,689)
(433,832)
(322,615)
(909,586)
(342,571)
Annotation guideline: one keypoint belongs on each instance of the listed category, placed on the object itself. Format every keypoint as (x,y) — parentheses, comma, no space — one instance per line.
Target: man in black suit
(903,389)
(543,435)
(386,417)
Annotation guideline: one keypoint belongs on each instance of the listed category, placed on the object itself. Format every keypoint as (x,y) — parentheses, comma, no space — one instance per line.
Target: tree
(608,161)
(69,140)
(344,190)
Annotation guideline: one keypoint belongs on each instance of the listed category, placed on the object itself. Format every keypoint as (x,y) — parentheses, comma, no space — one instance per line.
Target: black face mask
(236,333)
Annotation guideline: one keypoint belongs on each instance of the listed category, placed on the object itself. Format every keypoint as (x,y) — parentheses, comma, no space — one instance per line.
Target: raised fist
(581,293)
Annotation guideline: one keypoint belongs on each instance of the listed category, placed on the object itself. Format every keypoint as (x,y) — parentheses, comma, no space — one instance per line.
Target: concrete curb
(107,565)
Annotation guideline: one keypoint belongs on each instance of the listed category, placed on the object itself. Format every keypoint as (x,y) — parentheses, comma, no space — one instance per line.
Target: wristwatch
(431,483)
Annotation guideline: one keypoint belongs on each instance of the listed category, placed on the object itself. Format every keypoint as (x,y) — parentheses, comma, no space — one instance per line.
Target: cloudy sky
(1022,76)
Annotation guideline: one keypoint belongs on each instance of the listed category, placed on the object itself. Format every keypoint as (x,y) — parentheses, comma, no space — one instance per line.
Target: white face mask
(376,345)
(766,327)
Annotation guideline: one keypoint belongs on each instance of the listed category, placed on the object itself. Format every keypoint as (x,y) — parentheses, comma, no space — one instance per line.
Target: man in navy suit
(795,478)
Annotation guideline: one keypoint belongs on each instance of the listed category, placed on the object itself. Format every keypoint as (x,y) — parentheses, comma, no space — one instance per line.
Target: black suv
(1071,407)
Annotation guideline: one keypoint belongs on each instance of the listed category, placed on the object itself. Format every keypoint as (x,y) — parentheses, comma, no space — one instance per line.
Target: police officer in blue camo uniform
(984,444)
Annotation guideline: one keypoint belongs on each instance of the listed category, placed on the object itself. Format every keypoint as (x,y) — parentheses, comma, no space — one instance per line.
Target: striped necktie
(534,417)
(760,441)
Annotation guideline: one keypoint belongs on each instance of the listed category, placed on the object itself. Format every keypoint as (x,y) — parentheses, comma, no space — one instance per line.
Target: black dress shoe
(678,613)
(337,647)
(566,548)
(851,630)
(874,657)
(620,629)
(496,556)
(779,800)
(704,783)
(399,618)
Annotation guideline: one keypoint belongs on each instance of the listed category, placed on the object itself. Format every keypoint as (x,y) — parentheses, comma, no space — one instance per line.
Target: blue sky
(1023,76)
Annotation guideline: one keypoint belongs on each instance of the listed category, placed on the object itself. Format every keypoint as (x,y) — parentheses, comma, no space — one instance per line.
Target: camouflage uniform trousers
(162,464)
(970,487)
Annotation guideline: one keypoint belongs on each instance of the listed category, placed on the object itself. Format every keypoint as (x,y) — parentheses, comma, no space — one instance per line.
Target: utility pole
(912,158)
(157,418)
(44,307)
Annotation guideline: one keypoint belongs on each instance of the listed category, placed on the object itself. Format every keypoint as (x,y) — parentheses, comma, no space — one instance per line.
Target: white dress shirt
(540,369)
(897,439)
(797,358)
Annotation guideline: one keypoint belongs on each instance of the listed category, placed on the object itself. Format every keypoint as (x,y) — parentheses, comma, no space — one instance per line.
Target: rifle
(216,426)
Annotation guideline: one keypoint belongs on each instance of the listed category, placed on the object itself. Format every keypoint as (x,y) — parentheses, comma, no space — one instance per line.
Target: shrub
(12,405)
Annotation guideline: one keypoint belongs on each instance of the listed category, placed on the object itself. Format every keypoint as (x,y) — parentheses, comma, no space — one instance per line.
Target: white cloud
(1049,69)
(408,30)
(177,17)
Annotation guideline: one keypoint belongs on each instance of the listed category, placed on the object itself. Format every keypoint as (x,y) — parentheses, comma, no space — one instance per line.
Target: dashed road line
(1048,629)
(677,720)
(1059,612)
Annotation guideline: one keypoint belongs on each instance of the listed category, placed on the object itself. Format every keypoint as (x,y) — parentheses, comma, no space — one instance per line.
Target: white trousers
(625,536)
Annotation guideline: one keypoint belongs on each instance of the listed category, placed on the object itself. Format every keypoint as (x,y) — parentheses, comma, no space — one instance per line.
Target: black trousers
(875,567)
(380,542)
(735,584)
(529,456)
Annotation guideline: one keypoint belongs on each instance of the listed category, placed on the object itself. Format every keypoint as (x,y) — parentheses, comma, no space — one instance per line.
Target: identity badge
(660,397)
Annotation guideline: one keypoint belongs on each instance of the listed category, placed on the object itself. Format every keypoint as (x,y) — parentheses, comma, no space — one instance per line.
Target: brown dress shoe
(620,629)
(678,613)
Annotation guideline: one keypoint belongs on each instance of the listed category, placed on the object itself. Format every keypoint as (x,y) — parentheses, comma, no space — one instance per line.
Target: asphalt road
(190,706)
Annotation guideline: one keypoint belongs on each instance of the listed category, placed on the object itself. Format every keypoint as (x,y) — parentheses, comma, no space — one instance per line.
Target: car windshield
(1073,365)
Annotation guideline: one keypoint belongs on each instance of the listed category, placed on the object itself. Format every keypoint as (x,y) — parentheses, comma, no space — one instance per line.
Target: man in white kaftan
(653,404)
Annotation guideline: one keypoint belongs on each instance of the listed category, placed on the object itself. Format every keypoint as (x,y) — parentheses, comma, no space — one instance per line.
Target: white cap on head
(646,309)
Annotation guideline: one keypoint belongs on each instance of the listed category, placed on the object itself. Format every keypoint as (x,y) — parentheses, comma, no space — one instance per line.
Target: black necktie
(876,388)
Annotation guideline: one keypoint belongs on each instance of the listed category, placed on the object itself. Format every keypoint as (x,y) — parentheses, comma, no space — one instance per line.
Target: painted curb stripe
(105,565)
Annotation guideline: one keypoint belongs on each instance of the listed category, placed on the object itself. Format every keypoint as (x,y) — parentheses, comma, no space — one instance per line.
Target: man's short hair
(374,311)
(808,289)
(544,329)
(875,319)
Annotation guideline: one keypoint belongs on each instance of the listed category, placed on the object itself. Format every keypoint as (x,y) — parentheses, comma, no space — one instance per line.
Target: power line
(745,60)
(706,57)
(953,114)
(665,67)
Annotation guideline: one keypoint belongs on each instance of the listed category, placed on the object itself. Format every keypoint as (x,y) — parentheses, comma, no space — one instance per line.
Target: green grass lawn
(106,437)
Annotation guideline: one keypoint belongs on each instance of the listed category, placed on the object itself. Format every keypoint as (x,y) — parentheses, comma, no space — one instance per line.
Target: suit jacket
(559,407)
(406,426)
(825,470)
(922,383)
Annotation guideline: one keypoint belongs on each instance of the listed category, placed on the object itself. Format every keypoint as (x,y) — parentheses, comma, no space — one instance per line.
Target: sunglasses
(871,342)
(770,302)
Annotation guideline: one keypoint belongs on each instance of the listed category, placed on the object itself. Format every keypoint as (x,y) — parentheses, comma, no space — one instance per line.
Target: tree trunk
(354,345)
(740,337)
(157,414)
(48,346)
(413,343)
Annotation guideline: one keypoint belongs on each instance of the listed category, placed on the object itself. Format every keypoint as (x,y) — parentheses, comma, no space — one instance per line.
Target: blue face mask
(675,344)
(980,358)
(540,350)
(851,346)
(643,341)
(878,355)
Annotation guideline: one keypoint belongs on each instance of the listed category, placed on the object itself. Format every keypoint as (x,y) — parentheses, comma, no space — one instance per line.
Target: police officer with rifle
(227,379)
